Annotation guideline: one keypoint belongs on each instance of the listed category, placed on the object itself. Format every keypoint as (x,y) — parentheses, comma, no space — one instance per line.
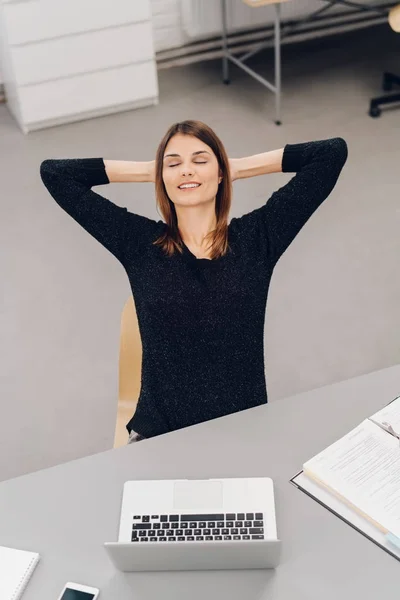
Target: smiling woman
(201,318)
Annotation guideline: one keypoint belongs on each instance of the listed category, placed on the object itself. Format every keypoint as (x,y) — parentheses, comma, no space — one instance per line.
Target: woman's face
(193,162)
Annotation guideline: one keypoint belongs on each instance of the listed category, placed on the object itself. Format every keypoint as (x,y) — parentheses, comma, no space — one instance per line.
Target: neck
(194,223)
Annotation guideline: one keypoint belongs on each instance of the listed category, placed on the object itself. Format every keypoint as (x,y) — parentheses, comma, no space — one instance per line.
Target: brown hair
(171,239)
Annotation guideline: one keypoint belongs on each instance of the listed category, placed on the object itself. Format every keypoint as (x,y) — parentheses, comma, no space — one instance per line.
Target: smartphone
(76,591)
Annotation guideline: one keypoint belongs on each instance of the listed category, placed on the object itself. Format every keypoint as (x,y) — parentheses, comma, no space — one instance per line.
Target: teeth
(189,185)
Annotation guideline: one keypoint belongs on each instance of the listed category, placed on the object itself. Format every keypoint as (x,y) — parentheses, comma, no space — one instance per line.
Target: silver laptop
(173,525)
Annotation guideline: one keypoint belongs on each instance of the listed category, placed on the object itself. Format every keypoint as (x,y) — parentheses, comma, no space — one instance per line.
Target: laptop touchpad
(197,495)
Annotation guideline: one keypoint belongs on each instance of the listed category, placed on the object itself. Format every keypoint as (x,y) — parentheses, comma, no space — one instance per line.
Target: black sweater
(201,321)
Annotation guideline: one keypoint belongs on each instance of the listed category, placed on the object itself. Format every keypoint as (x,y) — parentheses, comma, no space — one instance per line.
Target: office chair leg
(278,74)
(388,80)
(225,63)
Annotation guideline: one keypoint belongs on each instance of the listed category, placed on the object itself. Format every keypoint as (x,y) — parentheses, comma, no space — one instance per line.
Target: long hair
(171,240)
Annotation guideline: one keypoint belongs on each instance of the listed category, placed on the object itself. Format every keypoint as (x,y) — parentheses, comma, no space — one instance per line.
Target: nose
(186,170)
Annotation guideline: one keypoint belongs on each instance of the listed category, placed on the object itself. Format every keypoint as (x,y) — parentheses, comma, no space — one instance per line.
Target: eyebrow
(193,154)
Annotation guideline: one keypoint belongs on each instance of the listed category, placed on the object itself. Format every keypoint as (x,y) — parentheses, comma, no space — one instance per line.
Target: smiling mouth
(190,187)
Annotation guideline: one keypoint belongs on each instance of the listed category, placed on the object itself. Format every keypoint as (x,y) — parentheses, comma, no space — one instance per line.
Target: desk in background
(365,8)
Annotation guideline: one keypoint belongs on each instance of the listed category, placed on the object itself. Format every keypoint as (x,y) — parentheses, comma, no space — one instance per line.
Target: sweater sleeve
(317,165)
(69,182)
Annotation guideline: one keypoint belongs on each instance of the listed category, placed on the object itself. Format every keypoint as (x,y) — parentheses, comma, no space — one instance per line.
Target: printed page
(390,414)
(364,467)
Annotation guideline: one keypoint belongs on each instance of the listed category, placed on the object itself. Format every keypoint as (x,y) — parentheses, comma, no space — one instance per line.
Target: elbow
(45,169)
(341,150)
(50,171)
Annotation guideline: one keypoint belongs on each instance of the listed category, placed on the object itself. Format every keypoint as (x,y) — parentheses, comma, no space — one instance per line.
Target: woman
(200,285)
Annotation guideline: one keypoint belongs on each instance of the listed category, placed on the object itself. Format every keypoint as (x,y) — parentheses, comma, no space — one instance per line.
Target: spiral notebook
(16,569)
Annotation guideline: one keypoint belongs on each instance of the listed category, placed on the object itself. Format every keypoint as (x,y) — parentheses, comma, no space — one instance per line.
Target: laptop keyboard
(198,528)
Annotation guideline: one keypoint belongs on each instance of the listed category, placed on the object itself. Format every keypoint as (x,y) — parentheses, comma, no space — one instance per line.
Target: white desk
(66,512)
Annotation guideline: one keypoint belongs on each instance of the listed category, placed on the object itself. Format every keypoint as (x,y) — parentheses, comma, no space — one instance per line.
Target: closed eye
(196,163)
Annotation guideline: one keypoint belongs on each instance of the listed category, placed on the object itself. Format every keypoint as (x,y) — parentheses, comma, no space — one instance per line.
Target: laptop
(174,525)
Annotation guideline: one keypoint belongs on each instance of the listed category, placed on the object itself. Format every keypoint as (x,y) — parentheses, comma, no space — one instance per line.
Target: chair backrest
(394,18)
(130,365)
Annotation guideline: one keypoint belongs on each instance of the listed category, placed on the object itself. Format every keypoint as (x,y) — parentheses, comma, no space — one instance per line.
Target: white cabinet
(69,61)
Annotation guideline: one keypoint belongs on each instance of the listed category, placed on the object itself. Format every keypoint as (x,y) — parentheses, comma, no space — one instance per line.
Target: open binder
(356,478)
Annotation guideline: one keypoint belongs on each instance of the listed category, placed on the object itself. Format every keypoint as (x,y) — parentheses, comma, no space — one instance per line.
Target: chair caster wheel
(278,122)
(227,81)
(375,111)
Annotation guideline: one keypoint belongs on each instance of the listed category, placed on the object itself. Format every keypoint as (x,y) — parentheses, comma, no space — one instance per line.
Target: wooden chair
(130,365)
(394,18)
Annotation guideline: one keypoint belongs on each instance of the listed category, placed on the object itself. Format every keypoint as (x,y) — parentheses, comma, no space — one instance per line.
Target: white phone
(76,591)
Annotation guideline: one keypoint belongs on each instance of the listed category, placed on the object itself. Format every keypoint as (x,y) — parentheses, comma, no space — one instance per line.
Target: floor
(333,306)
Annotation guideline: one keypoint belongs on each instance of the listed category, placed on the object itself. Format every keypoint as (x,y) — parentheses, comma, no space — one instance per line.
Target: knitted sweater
(201,321)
